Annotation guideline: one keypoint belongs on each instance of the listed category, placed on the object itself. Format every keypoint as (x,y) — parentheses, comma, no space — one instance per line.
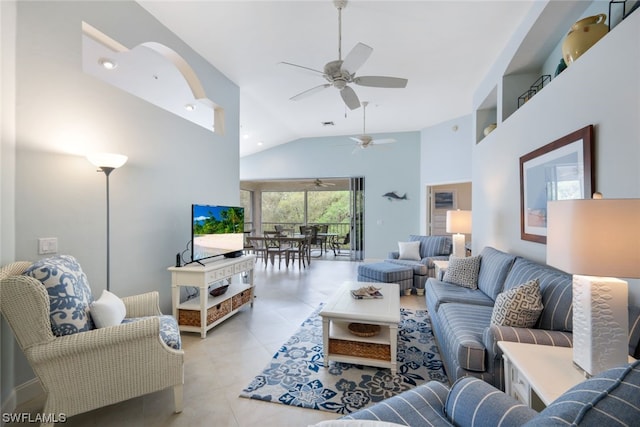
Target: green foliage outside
(322,207)
(231,221)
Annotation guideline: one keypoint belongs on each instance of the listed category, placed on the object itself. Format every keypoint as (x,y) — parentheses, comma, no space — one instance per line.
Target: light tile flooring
(219,367)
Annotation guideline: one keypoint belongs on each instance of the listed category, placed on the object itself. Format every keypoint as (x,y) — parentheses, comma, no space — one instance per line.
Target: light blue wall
(392,167)
(62,114)
(445,157)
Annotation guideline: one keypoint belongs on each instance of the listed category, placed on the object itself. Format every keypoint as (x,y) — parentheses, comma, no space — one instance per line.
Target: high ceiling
(444,49)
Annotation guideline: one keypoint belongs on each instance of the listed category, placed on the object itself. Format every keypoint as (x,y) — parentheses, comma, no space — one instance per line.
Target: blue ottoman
(386,272)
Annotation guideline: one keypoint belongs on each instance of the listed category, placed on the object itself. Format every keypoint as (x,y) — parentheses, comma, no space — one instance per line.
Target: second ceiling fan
(365,140)
(340,73)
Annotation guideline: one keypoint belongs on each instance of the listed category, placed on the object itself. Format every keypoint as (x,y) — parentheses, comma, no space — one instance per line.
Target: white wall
(601,88)
(61,114)
(393,167)
(445,157)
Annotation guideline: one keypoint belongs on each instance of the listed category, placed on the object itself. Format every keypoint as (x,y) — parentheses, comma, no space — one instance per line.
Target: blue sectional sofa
(461,317)
(608,399)
(431,248)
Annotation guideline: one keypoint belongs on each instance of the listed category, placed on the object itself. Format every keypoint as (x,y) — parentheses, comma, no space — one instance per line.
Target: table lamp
(459,222)
(591,239)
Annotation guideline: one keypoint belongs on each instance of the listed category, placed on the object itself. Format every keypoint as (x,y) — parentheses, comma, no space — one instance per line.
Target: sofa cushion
(432,245)
(462,327)
(555,286)
(418,267)
(463,271)
(438,292)
(169,331)
(69,293)
(409,250)
(519,307)
(609,398)
(494,267)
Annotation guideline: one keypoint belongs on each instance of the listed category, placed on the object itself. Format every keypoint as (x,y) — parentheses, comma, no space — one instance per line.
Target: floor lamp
(107,162)
(589,239)
(459,222)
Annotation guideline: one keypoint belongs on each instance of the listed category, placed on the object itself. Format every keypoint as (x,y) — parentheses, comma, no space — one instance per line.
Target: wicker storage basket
(242,298)
(192,317)
(360,349)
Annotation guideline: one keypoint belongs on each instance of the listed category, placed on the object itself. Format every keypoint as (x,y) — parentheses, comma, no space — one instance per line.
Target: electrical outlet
(47,245)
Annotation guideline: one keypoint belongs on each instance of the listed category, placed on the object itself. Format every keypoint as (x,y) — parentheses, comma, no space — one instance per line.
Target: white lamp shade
(108,160)
(595,237)
(459,222)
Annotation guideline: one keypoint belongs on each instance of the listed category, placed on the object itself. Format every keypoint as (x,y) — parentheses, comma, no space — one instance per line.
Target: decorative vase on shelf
(583,34)
(489,129)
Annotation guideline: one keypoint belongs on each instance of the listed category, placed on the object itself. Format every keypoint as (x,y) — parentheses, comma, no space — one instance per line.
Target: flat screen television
(216,230)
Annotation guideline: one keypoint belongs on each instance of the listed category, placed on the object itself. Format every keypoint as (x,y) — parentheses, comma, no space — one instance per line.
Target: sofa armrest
(419,406)
(494,333)
(393,255)
(472,401)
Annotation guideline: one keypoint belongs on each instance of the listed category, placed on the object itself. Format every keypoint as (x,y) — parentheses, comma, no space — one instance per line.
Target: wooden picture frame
(562,169)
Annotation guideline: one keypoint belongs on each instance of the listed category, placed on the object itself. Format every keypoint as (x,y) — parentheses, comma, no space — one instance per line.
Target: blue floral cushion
(69,293)
(169,331)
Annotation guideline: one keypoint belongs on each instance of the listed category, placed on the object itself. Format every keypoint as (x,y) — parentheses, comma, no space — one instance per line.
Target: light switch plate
(47,245)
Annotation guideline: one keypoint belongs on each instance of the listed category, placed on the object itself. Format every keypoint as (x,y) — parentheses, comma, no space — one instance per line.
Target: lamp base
(600,323)
(459,251)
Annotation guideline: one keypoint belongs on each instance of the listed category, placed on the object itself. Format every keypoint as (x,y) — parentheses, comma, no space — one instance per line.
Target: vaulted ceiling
(444,49)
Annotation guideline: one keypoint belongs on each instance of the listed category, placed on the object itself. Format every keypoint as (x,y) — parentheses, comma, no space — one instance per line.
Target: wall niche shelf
(523,68)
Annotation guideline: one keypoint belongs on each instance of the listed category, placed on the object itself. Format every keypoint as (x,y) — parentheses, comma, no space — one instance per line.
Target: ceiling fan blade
(309,92)
(302,67)
(381,81)
(384,141)
(353,138)
(350,98)
(358,56)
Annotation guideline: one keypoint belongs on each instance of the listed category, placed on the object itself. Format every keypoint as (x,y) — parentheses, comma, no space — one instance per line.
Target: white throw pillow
(108,310)
(409,250)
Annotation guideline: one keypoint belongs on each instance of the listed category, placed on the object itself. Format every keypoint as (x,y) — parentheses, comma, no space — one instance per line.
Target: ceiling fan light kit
(340,73)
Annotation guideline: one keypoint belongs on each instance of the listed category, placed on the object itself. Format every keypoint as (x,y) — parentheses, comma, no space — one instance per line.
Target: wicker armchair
(87,370)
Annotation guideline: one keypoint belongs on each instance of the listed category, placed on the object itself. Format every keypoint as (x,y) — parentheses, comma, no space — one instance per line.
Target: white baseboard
(22,393)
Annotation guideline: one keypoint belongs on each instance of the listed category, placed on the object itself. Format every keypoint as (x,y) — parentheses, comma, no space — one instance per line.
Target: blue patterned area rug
(296,376)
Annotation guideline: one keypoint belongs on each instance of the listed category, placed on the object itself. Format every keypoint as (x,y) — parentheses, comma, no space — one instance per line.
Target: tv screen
(216,230)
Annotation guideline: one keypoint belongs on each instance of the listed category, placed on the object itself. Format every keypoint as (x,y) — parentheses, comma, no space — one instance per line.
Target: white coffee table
(341,345)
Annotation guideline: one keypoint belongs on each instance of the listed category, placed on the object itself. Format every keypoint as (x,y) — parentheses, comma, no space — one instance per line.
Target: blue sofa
(461,317)
(608,399)
(431,248)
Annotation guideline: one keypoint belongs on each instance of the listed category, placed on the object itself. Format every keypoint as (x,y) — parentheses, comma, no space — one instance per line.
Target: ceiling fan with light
(340,73)
(365,140)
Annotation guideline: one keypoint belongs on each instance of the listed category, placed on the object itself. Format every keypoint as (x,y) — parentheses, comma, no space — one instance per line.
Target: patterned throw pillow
(463,271)
(518,307)
(69,293)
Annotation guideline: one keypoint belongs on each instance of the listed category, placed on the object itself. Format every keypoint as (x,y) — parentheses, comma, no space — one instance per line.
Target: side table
(536,375)
(440,268)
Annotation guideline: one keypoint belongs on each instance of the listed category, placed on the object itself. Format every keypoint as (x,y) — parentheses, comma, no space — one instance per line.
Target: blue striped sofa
(431,248)
(461,317)
(608,399)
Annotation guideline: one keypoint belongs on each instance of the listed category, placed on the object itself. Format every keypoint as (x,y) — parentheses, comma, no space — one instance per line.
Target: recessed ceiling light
(189,107)
(107,63)
(260,142)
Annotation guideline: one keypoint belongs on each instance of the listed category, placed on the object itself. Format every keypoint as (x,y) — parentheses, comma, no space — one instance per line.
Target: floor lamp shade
(594,239)
(458,222)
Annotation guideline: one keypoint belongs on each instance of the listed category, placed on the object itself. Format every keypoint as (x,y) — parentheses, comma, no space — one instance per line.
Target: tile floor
(218,367)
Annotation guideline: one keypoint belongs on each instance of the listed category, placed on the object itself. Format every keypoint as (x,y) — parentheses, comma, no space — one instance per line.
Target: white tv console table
(203,312)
